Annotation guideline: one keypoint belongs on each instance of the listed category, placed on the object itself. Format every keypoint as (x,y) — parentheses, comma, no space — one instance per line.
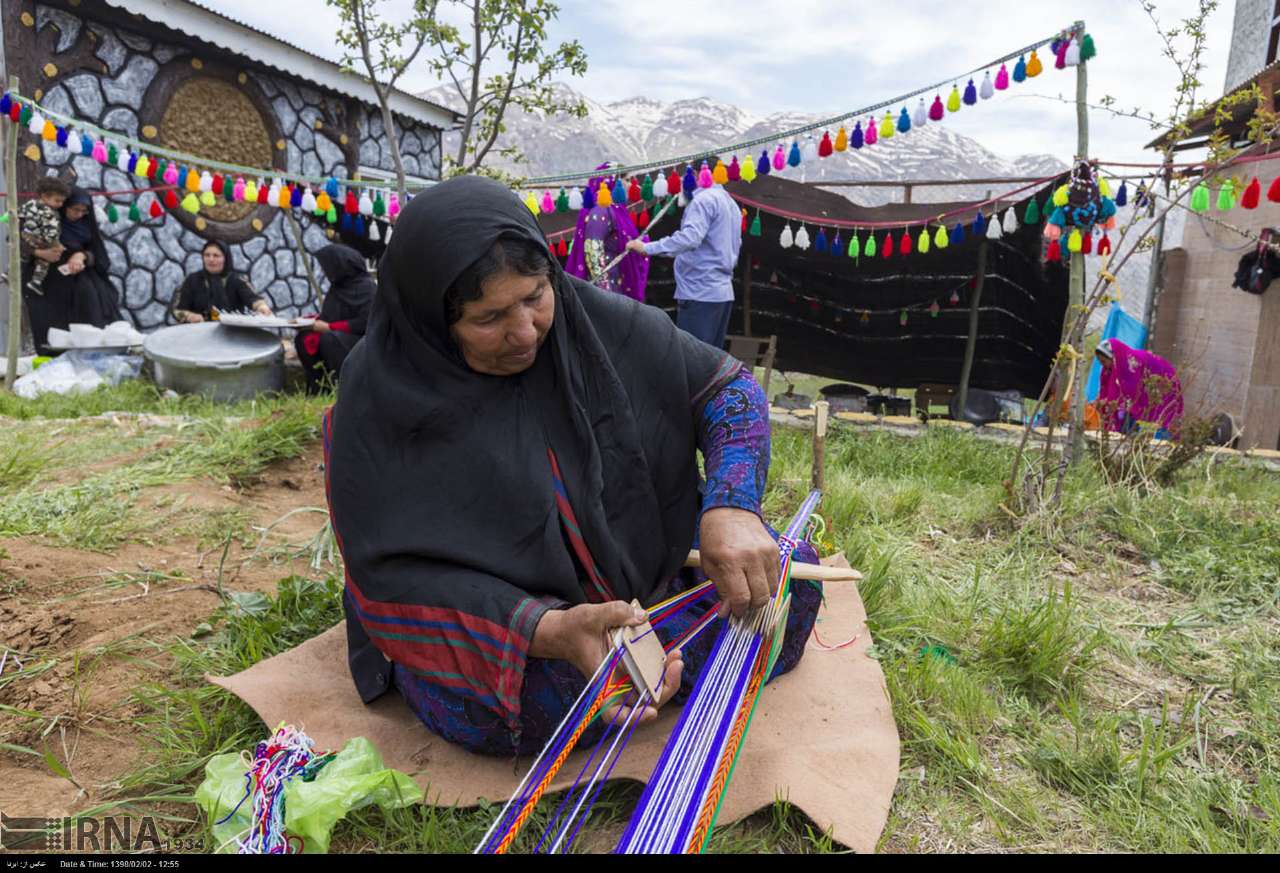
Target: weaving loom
(680,802)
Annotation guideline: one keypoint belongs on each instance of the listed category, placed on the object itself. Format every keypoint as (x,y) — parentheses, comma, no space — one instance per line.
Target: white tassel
(73,142)
(993,228)
(36,127)
(810,150)
(1073,53)
(921,116)
(786,240)
(1010,221)
(988,90)
(802,238)
(659,189)
(575,199)
(374,234)
(366,204)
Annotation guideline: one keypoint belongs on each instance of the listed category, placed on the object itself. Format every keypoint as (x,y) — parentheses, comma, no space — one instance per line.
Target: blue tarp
(1124,327)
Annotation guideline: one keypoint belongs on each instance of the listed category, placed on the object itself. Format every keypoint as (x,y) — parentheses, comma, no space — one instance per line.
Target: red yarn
(563,248)
(904,246)
(825,149)
(1252,194)
(1054,254)
(264,194)
(15,112)
(673,184)
(1273,193)
(1104,245)
(219,184)
(352,204)
(633,193)
(155,210)
(1086,243)
(171,199)
(642,220)
(886,249)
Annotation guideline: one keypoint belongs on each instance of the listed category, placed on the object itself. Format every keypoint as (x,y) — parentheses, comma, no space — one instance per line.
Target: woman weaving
(511,462)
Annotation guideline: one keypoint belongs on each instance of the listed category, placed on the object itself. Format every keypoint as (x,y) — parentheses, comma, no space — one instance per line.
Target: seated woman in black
(343,317)
(217,286)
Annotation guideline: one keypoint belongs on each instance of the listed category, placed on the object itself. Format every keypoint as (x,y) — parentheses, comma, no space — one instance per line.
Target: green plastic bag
(354,779)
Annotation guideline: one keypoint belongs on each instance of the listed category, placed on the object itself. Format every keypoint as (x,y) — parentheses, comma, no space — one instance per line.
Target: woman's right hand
(194,318)
(52,254)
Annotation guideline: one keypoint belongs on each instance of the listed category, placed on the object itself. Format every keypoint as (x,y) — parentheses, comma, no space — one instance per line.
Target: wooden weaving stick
(815,572)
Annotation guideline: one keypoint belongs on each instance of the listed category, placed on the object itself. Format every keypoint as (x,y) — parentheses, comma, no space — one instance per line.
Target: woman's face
(214,260)
(77,211)
(500,334)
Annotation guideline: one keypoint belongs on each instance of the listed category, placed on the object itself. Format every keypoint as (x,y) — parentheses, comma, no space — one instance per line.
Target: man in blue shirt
(706,249)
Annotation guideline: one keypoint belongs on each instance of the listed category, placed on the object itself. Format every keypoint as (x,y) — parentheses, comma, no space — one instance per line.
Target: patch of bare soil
(81,631)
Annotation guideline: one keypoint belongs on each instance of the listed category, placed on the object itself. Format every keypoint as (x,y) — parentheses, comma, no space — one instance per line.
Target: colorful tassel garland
(323,203)
(308,203)
(921,116)
(1053,254)
(642,220)
(940,238)
(1252,194)
(837,244)
(904,121)
(112,214)
(936,109)
(140,169)
(720,175)
(793,158)
(762,165)
(60,136)
(970,94)
(285,198)
(15,115)
(1052,231)
(842,139)
(1122,196)
(953,101)
(733,173)
(988,90)
(531,203)
(1020,71)
(1032,214)
(1226,196)
(689,182)
(786,239)
(887,127)
(35,124)
(820,240)
(871,135)
(562,248)
(825,148)
(24,116)
(264,193)
(604,197)
(855,138)
(904,243)
(674,182)
(365,204)
(113,156)
(1200,198)
(1061,195)
(589,198)
(171,199)
(810,152)
(1073,53)
(81,145)
(380,205)
(1086,243)
(135,214)
(207,199)
(332,215)
(546,205)
(922,241)
(1060,54)
(48,132)
(1034,67)
(6,103)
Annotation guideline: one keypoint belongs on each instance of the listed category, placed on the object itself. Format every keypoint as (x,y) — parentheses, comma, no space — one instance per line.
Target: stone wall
(128,87)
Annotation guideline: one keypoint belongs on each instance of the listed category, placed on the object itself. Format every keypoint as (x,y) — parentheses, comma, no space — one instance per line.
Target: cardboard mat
(822,737)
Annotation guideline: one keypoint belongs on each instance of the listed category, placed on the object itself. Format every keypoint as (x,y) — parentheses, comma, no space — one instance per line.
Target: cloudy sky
(828,57)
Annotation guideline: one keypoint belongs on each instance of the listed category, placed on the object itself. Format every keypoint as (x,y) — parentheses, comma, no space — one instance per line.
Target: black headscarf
(440,484)
(228,291)
(351,288)
(83,235)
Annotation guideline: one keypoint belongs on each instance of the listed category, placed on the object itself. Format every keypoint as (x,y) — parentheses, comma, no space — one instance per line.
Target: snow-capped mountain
(641,129)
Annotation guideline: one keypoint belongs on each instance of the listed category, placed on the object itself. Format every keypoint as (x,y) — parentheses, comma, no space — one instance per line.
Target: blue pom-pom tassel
(856,139)
(1122,196)
(957,235)
(345,225)
(331,188)
(820,241)
(295,197)
(133,156)
(360,227)
(1020,70)
(970,94)
(836,248)
(619,193)
(6,103)
(904,121)
(979,225)
(62,141)
(763,167)
(588,197)
(794,158)
(688,183)
(86,146)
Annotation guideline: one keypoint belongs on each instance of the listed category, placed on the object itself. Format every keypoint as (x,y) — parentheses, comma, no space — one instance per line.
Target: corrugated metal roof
(185,16)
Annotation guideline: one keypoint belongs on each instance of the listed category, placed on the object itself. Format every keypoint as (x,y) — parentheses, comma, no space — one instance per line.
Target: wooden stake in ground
(971,344)
(15,248)
(1075,288)
(819,442)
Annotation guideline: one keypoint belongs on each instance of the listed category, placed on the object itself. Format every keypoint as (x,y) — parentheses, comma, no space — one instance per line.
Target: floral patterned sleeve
(734,438)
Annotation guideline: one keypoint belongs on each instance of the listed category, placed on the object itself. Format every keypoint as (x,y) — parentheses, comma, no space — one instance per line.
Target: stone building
(1225,342)
(185,77)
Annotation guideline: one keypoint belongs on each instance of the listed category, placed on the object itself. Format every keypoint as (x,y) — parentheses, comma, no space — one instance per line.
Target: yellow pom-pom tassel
(887,127)
(940,239)
(251,192)
(193,181)
(922,243)
(720,175)
(842,140)
(953,102)
(1104,187)
(49,132)
(1060,196)
(1034,67)
(532,202)
(1075,242)
(191,203)
(748,171)
(603,197)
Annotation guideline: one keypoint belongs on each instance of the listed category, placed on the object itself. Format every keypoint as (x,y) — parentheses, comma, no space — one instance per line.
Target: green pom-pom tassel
(379,206)
(756,228)
(870,249)
(855,246)
(1226,196)
(135,214)
(113,214)
(24,117)
(332,216)
(646,188)
(1200,199)
(113,156)
(1032,215)
(1087,48)
(562,202)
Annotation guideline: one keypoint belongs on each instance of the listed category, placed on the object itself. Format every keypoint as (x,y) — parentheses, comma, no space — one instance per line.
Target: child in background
(41,225)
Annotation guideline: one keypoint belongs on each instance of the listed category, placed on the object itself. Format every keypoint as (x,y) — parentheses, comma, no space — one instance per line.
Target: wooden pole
(15,248)
(1076,280)
(819,442)
(971,344)
(746,296)
(1154,273)
(306,259)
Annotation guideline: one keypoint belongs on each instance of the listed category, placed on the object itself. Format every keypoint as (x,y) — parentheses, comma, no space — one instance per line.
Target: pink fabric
(1123,389)
(614,227)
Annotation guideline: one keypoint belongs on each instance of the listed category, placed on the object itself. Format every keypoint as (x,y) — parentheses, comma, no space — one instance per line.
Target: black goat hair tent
(841,317)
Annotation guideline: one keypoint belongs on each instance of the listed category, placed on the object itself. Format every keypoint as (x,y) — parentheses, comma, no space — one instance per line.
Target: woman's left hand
(740,557)
(320,326)
(75,263)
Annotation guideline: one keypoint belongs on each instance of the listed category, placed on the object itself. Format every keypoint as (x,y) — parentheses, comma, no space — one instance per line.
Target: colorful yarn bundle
(288,755)
(682,798)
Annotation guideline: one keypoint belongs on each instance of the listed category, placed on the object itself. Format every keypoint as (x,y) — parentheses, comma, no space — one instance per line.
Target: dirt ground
(67,609)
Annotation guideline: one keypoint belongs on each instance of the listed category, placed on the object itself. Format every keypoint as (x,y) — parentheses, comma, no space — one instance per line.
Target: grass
(1104,680)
